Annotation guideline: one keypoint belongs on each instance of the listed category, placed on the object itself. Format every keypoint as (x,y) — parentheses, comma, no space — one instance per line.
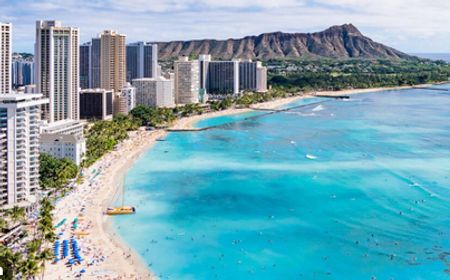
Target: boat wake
(318,108)
(308,156)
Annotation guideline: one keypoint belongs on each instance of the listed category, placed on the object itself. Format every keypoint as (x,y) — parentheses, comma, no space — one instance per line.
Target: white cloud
(410,25)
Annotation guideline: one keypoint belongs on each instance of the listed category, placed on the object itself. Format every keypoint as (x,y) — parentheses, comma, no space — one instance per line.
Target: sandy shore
(366,90)
(105,255)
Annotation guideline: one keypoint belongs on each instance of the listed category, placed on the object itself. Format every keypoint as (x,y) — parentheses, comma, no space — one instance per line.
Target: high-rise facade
(95,63)
(112,61)
(126,100)
(218,78)
(22,73)
(90,59)
(142,61)
(96,104)
(247,75)
(261,78)
(154,92)
(19,148)
(57,69)
(187,82)
(222,77)
(85,65)
(5,58)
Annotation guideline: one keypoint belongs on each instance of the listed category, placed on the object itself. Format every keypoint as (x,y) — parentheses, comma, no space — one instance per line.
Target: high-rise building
(222,77)
(96,104)
(154,92)
(95,63)
(187,83)
(113,61)
(261,78)
(142,61)
(204,60)
(126,101)
(22,73)
(90,59)
(85,65)
(19,148)
(57,69)
(247,75)
(218,78)
(5,58)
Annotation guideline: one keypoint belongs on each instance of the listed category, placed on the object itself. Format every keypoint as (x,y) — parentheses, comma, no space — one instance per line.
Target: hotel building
(126,100)
(5,58)
(112,61)
(63,146)
(154,92)
(142,61)
(22,73)
(85,65)
(96,104)
(20,116)
(187,82)
(219,78)
(90,58)
(56,68)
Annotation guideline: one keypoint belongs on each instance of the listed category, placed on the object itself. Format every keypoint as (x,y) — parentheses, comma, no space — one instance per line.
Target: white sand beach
(105,255)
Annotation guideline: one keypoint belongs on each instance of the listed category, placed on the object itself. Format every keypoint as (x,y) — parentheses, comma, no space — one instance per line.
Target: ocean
(435,56)
(333,189)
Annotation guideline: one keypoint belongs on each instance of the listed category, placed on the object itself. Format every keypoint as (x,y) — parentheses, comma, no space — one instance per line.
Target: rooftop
(58,137)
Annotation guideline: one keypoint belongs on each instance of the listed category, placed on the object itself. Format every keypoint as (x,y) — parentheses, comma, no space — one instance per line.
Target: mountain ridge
(339,41)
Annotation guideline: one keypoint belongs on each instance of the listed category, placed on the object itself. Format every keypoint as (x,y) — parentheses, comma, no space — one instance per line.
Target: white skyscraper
(19,148)
(187,82)
(57,69)
(5,58)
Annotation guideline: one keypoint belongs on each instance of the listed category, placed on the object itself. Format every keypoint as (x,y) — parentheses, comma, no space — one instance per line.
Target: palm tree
(29,268)
(45,255)
(17,213)
(33,246)
(11,260)
(3,224)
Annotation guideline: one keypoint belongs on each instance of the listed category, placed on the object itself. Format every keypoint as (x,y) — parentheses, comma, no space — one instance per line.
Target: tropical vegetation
(337,74)
(54,173)
(30,261)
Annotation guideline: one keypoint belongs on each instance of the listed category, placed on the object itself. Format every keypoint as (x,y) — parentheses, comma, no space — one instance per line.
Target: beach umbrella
(83,270)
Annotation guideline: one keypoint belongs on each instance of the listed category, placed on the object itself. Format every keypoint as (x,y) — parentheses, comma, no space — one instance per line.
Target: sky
(412,26)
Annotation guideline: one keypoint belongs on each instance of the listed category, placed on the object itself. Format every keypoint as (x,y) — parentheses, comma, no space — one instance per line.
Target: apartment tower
(5,58)
(187,82)
(56,69)
(142,61)
(19,148)
(113,61)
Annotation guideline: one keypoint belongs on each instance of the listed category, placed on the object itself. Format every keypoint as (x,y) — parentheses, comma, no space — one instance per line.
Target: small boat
(310,157)
(123,210)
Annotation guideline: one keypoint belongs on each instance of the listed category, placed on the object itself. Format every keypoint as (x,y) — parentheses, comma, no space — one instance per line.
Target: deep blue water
(338,190)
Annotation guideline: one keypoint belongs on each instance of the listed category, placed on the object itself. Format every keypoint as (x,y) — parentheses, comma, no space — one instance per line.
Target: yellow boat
(81,233)
(124,210)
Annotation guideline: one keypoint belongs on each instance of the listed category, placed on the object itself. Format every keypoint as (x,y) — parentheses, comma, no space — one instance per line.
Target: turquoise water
(338,190)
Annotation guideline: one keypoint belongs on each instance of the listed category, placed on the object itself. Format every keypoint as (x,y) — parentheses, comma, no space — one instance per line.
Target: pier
(333,96)
(432,88)
(267,111)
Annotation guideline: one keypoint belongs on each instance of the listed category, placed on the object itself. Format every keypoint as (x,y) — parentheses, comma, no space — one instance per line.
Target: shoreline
(122,262)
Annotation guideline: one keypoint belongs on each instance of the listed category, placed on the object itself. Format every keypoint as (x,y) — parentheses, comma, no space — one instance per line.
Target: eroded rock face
(344,41)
